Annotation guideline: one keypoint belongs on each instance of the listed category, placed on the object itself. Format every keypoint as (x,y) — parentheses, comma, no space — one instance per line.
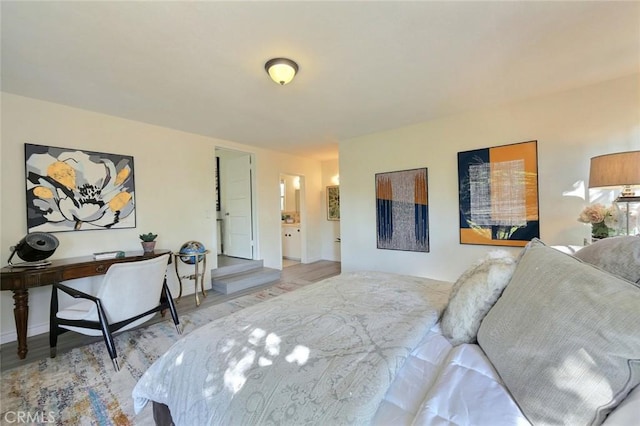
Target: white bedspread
(325,354)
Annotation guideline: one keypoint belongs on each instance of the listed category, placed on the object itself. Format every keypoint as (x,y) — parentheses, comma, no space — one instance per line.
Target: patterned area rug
(81,387)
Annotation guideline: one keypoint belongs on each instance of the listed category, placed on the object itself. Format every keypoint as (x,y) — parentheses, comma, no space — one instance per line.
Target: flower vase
(599,231)
(148,246)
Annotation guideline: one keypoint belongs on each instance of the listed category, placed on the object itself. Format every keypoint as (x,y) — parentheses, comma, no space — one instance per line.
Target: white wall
(174,177)
(570,127)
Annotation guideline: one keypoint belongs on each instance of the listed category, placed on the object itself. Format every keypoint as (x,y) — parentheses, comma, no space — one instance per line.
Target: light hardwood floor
(39,345)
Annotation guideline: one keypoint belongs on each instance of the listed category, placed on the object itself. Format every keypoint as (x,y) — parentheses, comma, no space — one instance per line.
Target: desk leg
(21,314)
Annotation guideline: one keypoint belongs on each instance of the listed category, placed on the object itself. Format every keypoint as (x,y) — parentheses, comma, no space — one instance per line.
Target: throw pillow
(564,338)
(617,255)
(473,294)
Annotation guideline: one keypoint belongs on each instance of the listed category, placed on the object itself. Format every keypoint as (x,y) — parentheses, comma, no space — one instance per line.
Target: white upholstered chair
(129,295)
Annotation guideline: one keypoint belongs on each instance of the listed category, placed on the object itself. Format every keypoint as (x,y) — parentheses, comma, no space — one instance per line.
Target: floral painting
(78,190)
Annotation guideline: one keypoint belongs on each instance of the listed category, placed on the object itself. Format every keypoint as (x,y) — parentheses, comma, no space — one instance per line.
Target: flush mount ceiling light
(281,70)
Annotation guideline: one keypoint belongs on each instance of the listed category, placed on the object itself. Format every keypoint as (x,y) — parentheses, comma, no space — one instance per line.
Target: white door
(238,235)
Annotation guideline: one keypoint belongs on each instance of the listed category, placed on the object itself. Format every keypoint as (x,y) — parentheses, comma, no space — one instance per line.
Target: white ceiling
(365,67)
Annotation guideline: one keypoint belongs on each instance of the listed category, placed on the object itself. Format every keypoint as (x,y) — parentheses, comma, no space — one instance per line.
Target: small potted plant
(148,242)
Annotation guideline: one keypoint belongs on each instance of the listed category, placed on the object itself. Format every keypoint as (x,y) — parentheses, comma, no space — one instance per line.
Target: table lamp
(620,170)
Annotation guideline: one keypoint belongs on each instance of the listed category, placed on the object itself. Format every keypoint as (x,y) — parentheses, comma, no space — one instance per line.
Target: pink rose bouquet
(603,220)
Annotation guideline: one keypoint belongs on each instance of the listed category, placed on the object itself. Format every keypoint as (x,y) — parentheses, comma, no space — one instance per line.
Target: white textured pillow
(473,295)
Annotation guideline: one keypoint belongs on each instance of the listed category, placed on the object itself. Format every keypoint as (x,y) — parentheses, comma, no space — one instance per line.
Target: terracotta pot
(148,246)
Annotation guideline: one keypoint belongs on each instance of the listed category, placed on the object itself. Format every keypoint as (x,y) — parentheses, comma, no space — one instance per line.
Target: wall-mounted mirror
(290,193)
(290,196)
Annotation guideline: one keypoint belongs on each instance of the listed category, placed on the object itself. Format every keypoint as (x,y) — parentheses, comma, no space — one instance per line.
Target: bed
(380,348)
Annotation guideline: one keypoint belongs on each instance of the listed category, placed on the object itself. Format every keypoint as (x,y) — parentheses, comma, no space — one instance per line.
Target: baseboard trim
(12,336)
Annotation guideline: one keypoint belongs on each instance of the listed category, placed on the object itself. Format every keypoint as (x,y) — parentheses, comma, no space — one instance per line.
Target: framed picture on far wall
(402,210)
(333,202)
(498,195)
(76,190)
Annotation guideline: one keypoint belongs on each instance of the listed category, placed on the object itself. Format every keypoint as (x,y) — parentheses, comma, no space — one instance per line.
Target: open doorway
(235,204)
(291,190)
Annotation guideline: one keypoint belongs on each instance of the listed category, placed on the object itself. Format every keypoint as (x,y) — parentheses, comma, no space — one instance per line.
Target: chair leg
(106,333)
(172,307)
(53,323)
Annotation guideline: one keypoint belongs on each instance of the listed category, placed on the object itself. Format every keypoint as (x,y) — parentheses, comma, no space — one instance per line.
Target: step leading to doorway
(235,274)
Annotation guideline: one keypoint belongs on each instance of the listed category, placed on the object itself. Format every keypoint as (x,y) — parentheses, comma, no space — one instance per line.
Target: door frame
(303,217)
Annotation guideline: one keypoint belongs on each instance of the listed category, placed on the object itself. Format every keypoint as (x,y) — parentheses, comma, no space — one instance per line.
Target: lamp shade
(615,170)
(35,247)
(281,70)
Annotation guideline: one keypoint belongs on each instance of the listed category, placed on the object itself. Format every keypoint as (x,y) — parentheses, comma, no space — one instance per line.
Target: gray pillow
(565,338)
(617,255)
(473,294)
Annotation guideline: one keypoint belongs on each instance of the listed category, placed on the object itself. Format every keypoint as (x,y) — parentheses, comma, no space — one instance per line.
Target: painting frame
(333,202)
(498,195)
(402,210)
(72,189)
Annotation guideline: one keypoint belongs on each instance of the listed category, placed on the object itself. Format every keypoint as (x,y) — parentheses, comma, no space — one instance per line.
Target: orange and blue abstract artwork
(498,193)
(402,210)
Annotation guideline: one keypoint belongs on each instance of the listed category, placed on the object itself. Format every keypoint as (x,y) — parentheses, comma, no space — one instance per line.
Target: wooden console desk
(20,280)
